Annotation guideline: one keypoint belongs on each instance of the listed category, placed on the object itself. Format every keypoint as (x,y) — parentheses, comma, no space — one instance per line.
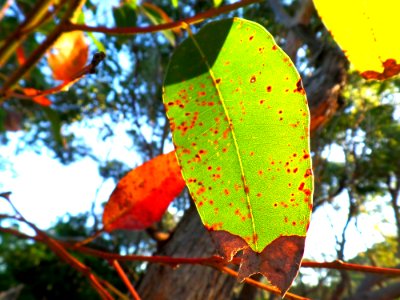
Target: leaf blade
(142,196)
(369,42)
(217,107)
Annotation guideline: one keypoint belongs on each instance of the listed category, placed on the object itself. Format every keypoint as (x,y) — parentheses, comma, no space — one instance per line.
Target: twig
(89,69)
(4,8)
(61,252)
(260,285)
(40,50)
(125,280)
(340,265)
(171,25)
(18,35)
(174,261)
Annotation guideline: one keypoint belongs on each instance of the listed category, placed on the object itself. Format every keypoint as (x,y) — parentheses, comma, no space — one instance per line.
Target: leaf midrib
(221,98)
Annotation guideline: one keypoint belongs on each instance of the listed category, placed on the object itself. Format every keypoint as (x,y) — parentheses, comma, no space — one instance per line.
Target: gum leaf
(367,33)
(240,125)
(143,195)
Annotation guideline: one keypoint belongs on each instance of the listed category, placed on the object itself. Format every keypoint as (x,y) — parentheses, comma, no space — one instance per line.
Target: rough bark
(190,239)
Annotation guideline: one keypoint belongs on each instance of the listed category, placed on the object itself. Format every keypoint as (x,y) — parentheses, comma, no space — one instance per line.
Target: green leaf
(175,3)
(125,15)
(217,3)
(99,45)
(240,124)
(157,16)
(368,38)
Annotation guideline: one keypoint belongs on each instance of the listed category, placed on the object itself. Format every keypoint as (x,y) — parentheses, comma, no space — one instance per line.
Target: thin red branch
(60,251)
(40,50)
(155,28)
(88,69)
(212,260)
(125,280)
(340,265)
(260,285)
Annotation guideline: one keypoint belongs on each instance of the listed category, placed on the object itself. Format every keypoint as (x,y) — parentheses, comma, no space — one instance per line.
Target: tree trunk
(190,239)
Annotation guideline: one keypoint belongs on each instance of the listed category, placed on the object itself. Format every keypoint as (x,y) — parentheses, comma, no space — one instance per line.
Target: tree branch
(174,261)
(155,28)
(40,50)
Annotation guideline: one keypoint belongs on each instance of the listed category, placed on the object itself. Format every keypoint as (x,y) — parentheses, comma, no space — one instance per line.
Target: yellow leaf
(367,33)
(68,55)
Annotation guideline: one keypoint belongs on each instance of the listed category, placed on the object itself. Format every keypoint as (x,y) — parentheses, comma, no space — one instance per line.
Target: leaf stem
(260,285)
(125,279)
(40,50)
(155,28)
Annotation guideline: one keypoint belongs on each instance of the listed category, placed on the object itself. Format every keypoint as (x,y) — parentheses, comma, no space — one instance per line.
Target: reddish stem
(260,285)
(155,28)
(125,279)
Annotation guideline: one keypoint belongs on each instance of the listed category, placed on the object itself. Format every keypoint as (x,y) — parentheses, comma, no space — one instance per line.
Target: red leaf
(41,100)
(20,55)
(143,195)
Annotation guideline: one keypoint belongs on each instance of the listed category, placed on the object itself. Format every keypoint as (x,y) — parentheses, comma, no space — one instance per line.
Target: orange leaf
(143,195)
(68,55)
(20,55)
(41,100)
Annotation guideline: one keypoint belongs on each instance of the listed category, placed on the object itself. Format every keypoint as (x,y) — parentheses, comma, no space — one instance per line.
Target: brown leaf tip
(227,244)
(279,261)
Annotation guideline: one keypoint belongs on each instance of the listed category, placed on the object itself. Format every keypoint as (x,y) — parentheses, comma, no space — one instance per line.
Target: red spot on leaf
(301,186)
(299,88)
(253,79)
(201,190)
(269,89)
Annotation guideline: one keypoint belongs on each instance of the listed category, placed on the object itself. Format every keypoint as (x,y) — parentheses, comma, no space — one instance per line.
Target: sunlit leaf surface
(367,33)
(240,124)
